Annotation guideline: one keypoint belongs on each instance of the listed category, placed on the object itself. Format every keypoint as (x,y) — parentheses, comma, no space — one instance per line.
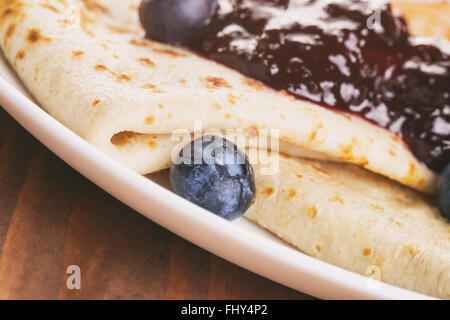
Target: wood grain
(51,217)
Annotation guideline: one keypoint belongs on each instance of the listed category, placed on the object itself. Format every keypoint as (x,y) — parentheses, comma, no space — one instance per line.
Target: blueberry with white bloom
(214,174)
(175,21)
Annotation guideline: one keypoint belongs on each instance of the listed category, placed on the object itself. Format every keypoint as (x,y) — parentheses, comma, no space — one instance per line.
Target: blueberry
(444,193)
(175,21)
(214,174)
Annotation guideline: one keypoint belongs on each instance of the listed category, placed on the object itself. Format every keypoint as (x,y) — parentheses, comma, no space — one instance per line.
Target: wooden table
(51,217)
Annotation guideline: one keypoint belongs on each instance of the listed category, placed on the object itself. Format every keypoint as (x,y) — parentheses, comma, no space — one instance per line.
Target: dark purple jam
(326,52)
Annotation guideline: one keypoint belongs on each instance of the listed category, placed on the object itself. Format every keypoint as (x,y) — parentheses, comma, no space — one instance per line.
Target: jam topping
(351,56)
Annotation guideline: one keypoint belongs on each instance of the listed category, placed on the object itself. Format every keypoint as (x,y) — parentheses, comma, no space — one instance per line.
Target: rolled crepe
(357,220)
(88,65)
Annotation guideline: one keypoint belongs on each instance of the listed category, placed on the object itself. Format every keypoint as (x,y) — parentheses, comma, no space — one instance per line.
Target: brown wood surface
(51,217)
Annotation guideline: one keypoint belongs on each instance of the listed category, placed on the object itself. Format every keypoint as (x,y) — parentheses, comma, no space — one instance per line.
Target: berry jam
(351,56)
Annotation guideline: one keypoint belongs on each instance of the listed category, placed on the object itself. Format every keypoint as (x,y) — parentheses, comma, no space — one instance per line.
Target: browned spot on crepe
(119,29)
(346,116)
(146,62)
(412,169)
(313,135)
(285,156)
(95,102)
(100,67)
(85,21)
(337,199)
(169,52)
(36,73)
(119,77)
(320,170)
(10,9)
(7,12)
(232,98)
(413,252)
(216,83)
(149,120)
(149,86)
(49,7)
(34,35)
(77,53)
(347,153)
(20,55)
(292,193)
(287,94)
(152,144)
(9,32)
(312,212)
(140,43)
(395,222)
(267,192)
(94,6)
(122,76)
(254,83)
(376,207)
(367,252)
(363,162)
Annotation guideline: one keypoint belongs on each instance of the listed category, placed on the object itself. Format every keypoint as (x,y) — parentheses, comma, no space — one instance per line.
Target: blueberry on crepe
(214,174)
(175,21)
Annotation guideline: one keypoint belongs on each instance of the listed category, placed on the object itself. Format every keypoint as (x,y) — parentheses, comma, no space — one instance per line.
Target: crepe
(357,220)
(88,65)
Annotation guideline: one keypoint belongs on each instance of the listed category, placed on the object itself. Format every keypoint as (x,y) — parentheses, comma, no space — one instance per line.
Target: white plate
(240,241)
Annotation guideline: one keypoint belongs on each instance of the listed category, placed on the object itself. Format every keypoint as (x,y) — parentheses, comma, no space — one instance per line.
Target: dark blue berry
(444,193)
(214,174)
(175,21)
